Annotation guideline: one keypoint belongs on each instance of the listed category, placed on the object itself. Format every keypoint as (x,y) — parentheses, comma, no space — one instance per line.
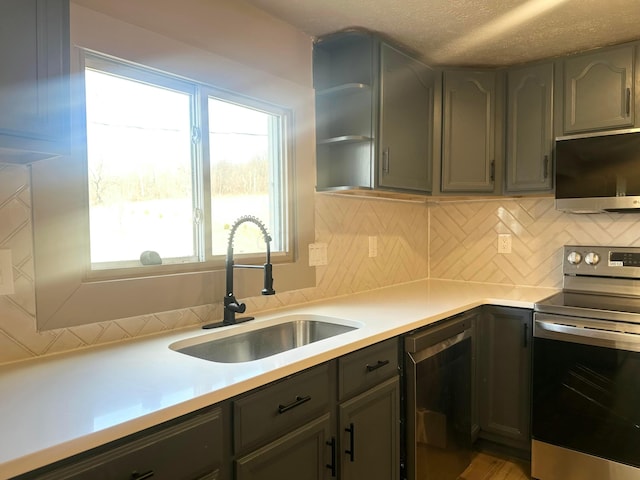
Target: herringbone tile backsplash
(452,240)
(464,238)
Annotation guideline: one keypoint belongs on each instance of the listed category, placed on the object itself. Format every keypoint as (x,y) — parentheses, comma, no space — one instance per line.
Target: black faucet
(231,305)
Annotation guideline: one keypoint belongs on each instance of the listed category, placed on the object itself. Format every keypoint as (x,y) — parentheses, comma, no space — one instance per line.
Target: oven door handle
(587,335)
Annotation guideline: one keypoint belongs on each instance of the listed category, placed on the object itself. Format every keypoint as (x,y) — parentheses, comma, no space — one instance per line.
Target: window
(160,191)
(72,288)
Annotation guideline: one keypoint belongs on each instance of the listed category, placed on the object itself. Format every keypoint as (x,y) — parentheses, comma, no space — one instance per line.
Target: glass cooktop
(592,305)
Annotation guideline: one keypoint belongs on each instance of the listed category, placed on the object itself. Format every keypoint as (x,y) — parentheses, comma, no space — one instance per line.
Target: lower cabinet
(301,454)
(311,427)
(191,448)
(369,413)
(370,433)
(504,342)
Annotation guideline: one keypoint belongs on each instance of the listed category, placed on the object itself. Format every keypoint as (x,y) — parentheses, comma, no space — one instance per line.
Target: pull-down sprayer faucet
(231,305)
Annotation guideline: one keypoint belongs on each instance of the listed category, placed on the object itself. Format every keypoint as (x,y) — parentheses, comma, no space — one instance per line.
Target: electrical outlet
(504,243)
(317,254)
(373,247)
(6,273)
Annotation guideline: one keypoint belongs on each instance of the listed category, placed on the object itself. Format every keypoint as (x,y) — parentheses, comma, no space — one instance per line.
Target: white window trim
(200,92)
(65,297)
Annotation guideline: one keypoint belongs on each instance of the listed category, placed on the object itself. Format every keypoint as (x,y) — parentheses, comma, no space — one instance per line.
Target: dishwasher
(438,400)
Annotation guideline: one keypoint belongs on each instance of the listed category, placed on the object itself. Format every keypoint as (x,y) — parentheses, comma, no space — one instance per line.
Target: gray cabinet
(34,79)
(288,428)
(529,154)
(504,375)
(374,115)
(599,90)
(468,132)
(370,433)
(369,413)
(267,413)
(406,122)
(192,448)
(285,428)
(301,454)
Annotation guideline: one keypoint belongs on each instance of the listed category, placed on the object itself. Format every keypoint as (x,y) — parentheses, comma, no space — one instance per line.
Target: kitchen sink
(295,331)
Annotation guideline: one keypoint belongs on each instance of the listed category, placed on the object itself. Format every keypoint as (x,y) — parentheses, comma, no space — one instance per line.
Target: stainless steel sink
(264,342)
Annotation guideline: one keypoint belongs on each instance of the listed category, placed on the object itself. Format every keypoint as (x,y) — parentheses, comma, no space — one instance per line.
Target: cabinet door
(370,434)
(598,90)
(34,92)
(406,122)
(504,354)
(468,142)
(530,128)
(304,454)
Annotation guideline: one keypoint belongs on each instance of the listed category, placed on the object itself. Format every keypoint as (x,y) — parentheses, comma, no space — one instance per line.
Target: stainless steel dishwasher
(438,400)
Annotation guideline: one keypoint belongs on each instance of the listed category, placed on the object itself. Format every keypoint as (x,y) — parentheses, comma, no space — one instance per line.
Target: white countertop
(60,405)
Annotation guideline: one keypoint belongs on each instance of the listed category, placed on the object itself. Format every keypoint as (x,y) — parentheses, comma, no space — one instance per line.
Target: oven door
(586,396)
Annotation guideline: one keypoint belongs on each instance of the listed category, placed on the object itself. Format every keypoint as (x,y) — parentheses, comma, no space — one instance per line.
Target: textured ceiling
(472,32)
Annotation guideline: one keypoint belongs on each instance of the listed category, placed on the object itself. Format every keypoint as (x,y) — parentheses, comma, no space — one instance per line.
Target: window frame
(200,95)
(65,296)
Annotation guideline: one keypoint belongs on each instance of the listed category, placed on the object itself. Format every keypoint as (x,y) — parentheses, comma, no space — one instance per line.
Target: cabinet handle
(332,466)
(628,101)
(296,403)
(546,166)
(141,476)
(351,431)
(492,175)
(380,364)
(525,337)
(385,161)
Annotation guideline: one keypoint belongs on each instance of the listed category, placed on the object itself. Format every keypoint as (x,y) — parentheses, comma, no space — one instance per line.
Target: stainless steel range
(586,369)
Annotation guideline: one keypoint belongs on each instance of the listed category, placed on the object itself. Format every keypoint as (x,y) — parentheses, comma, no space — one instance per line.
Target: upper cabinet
(34,79)
(599,90)
(468,132)
(406,121)
(529,130)
(374,115)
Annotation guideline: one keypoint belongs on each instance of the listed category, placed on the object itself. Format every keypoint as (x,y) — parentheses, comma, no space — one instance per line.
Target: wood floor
(487,467)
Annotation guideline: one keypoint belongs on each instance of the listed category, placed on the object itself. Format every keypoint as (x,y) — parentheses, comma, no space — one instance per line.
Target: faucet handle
(232,305)
(237,307)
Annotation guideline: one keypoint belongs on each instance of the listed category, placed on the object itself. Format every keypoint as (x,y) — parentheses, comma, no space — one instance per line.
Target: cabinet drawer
(281,407)
(365,368)
(191,449)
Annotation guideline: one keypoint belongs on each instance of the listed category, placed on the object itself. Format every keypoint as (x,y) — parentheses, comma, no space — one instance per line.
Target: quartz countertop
(60,405)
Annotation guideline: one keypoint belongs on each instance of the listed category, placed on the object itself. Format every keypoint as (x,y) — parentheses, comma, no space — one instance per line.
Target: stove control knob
(592,258)
(574,258)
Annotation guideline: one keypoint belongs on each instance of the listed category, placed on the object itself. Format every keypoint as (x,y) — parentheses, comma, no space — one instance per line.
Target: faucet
(231,304)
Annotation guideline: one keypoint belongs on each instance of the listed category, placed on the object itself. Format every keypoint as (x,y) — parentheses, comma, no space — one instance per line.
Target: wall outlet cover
(504,243)
(317,254)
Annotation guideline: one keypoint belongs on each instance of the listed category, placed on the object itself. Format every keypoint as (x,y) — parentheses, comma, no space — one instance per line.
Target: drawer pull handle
(298,401)
(380,364)
(332,466)
(351,431)
(141,476)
